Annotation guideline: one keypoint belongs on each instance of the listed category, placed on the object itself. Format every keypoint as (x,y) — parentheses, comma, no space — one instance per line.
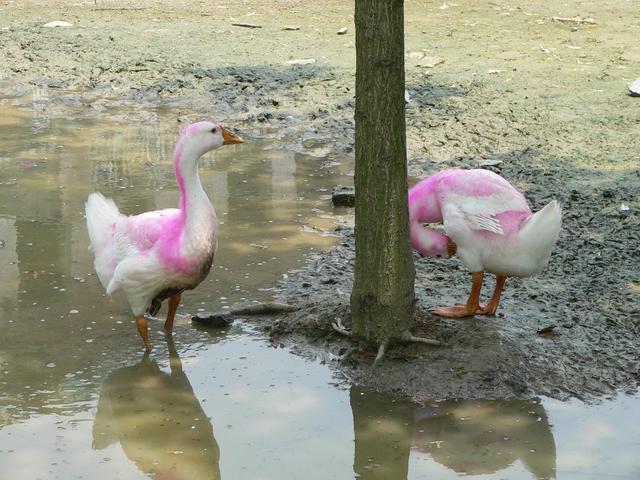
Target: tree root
(381,350)
(406,336)
(340,328)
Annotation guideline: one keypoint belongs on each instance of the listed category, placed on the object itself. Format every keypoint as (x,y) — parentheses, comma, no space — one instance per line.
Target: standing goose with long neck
(157,255)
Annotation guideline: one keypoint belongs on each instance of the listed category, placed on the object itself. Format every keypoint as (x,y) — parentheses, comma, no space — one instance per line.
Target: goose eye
(214,130)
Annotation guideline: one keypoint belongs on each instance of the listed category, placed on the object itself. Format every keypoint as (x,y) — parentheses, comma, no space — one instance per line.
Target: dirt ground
(516,87)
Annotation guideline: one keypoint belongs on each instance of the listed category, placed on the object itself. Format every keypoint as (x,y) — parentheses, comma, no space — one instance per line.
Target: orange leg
(142,325)
(452,248)
(492,306)
(472,305)
(173,306)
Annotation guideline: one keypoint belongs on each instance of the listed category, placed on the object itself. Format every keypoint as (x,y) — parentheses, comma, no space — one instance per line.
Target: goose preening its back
(488,224)
(157,255)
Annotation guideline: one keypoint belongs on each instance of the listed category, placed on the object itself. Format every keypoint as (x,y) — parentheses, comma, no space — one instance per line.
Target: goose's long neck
(196,209)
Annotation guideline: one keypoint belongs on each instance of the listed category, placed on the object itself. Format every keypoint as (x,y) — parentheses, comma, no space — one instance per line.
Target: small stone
(342,196)
(291,27)
(302,61)
(488,163)
(73,312)
(624,207)
(57,23)
(430,62)
(634,88)
(547,329)
(577,19)
(342,31)
(56,84)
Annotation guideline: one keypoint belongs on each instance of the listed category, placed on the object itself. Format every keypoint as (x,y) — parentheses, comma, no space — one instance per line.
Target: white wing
(479,212)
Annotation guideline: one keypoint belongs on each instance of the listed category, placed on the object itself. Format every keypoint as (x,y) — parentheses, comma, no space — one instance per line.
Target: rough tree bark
(382,300)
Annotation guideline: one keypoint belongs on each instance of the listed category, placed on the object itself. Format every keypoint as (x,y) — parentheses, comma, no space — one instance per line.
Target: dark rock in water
(342,196)
(47,82)
(56,84)
(213,319)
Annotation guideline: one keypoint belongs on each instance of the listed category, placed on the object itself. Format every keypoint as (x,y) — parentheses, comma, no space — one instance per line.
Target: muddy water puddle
(79,399)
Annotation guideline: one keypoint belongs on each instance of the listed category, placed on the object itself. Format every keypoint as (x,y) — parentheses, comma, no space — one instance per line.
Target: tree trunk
(382,300)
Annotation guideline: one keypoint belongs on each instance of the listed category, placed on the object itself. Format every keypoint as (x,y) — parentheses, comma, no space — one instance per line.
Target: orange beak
(229,138)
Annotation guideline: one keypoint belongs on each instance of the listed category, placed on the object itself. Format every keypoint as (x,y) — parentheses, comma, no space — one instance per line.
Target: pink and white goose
(157,255)
(488,224)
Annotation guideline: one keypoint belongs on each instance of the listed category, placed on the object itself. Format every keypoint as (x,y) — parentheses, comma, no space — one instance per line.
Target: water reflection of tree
(158,421)
(382,430)
(473,438)
(9,274)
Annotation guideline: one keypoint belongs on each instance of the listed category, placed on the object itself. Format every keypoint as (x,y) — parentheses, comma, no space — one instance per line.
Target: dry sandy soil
(504,85)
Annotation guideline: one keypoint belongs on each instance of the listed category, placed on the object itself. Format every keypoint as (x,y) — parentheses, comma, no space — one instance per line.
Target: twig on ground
(246,25)
(263,308)
(118,9)
(406,336)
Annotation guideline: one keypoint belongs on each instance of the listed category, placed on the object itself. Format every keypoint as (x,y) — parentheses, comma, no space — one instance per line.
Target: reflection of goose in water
(472,438)
(158,421)
(483,437)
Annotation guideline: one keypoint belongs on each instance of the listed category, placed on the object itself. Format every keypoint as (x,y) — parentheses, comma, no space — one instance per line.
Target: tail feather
(541,231)
(102,216)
